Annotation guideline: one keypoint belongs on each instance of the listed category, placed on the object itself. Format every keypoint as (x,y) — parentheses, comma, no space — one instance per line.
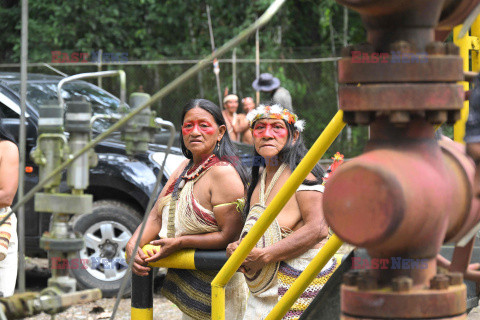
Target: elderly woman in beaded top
(299,230)
(198,208)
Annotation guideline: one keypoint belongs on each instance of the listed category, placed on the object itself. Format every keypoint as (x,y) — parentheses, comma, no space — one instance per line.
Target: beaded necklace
(184,177)
(198,171)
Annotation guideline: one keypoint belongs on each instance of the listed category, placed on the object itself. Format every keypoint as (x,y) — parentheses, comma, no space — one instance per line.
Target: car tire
(106,232)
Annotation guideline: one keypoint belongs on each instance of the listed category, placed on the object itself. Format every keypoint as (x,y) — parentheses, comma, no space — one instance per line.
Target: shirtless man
(244,126)
(301,222)
(230,105)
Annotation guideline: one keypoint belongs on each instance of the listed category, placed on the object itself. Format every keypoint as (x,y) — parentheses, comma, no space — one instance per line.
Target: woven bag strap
(264,195)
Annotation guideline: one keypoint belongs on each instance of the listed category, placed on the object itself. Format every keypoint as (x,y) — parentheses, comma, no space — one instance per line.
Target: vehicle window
(9,108)
(39,93)
(7,112)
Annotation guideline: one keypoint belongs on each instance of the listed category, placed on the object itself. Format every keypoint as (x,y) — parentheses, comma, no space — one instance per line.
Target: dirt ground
(474,314)
(102,309)
(36,279)
(163,309)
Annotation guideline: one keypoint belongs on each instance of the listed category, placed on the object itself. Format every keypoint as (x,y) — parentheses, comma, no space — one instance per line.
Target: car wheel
(106,232)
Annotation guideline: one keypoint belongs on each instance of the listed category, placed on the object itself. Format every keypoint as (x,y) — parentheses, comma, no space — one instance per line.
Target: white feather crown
(275,112)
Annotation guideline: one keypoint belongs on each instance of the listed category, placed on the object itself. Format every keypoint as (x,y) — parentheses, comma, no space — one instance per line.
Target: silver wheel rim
(104,251)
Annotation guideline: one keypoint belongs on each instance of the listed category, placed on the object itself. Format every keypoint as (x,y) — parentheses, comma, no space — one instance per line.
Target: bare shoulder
(311,177)
(309,195)
(226,184)
(223,168)
(8,148)
(226,176)
(8,145)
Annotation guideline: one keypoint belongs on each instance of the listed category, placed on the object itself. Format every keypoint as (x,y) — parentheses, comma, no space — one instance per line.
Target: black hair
(292,153)
(4,134)
(226,150)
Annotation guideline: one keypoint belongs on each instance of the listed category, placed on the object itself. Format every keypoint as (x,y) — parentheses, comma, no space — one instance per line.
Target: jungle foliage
(154,30)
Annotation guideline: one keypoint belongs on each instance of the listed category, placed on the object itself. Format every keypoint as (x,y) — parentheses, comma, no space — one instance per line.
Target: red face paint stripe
(269,130)
(201,126)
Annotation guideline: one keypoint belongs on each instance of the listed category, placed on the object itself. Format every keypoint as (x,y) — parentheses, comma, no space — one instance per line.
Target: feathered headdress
(275,112)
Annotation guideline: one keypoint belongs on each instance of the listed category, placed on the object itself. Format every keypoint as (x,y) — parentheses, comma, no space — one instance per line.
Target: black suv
(120,185)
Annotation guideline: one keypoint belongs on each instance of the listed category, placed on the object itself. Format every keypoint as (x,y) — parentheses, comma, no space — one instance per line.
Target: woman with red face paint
(200,207)
(299,230)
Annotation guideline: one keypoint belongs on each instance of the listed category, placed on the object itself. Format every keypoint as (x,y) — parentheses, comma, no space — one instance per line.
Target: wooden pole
(216,67)
(234,71)
(257,64)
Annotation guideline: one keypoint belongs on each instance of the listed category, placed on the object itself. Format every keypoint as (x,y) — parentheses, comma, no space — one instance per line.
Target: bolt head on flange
(366,282)
(402,284)
(350,278)
(455,278)
(439,282)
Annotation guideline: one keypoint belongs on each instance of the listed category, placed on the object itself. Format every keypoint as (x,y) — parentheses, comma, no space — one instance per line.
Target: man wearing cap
(230,105)
(279,95)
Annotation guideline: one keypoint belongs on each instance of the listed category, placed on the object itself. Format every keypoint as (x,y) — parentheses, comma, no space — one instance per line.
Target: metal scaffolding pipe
(22,144)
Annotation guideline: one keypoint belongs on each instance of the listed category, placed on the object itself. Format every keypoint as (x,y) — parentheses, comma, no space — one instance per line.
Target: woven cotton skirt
(260,305)
(191,292)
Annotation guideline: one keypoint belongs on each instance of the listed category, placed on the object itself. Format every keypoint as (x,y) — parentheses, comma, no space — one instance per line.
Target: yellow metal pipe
(218,302)
(465,44)
(475,33)
(288,189)
(183,259)
(141,314)
(305,278)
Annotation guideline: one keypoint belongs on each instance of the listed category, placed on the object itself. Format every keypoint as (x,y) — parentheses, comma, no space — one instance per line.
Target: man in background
(230,106)
(269,84)
(244,128)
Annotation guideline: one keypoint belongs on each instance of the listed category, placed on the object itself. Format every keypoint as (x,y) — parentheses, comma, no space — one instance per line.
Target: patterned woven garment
(191,290)
(261,281)
(5,232)
(290,270)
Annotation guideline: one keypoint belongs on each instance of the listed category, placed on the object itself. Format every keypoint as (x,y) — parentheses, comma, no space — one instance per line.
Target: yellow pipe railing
(305,278)
(183,259)
(466,43)
(475,32)
(281,198)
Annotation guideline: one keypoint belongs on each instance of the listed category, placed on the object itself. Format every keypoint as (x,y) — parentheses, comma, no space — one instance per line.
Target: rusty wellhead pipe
(409,192)
(414,195)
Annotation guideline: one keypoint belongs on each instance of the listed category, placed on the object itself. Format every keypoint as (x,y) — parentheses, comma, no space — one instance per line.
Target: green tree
(152,30)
